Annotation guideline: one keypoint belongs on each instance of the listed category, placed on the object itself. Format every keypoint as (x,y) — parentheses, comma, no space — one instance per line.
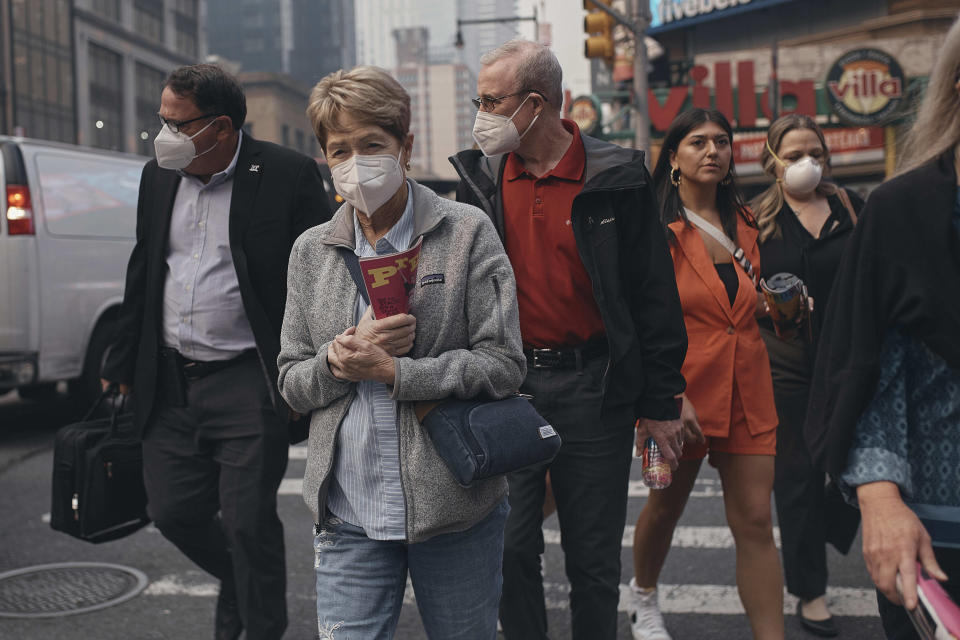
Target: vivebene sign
(674,14)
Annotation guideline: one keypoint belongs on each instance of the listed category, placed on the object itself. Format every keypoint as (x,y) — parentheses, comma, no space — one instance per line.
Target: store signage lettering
(662,114)
(671,10)
(865,87)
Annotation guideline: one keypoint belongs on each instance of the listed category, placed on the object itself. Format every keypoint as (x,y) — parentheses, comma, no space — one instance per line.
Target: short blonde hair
(368,94)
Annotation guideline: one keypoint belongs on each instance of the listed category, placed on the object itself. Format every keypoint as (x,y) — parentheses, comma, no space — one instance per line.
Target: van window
(89,195)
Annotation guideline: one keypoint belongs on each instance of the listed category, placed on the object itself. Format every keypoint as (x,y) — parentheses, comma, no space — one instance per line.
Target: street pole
(636,21)
(641,18)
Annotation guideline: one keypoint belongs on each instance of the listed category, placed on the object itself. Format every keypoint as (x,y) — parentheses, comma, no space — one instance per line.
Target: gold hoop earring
(408,166)
(726,181)
(675,177)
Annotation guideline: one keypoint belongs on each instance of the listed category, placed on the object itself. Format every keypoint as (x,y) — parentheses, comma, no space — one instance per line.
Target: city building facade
(90,71)
(276,110)
(306,39)
(441,112)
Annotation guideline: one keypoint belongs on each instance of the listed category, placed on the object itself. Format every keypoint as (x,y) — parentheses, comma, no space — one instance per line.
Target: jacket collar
(427,216)
(608,166)
(691,244)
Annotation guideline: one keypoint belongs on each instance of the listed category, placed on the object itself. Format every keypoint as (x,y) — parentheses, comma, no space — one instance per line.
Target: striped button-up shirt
(366,489)
(203,315)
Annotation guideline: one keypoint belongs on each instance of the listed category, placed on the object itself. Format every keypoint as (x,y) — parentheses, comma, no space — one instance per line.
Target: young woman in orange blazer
(728,409)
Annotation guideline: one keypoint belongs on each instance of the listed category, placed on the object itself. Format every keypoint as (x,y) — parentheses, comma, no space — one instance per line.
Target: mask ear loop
(775,157)
(532,122)
(774,154)
(198,133)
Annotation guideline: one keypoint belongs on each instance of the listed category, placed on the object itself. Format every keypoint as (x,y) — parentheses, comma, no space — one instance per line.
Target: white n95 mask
(496,134)
(176,150)
(800,177)
(803,176)
(368,182)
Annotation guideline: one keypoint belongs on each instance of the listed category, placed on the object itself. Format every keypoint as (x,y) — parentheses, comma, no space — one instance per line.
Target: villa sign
(866,87)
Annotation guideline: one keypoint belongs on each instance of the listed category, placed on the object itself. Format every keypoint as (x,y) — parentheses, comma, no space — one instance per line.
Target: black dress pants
(589,478)
(798,486)
(800,498)
(212,469)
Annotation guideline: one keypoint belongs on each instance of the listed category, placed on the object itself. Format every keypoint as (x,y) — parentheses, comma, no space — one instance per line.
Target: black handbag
(98,493)
(478,438)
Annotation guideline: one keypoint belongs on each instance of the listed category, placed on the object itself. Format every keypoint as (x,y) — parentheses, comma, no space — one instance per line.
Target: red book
(390,280)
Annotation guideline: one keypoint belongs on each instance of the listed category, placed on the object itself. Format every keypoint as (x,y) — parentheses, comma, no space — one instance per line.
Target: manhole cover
(52,590)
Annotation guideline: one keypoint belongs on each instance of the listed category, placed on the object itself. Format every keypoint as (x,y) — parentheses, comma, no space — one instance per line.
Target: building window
(106,97)
(149,85)
(148,19)
(186,28)
(286,135)
(109,9)
(186,8)
(42,83)
(301,142)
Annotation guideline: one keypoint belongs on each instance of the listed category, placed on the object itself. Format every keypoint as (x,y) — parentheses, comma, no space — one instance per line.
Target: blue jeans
(456,579)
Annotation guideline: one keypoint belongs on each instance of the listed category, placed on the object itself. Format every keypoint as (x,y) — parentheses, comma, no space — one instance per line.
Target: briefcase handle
(112,390)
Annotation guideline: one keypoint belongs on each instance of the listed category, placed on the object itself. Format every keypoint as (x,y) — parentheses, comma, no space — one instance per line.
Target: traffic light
(598,26)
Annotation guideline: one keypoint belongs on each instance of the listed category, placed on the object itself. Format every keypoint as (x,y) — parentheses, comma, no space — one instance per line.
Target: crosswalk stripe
(707,488)
(686,537)
(709,599)
(724,600)
(298,452)
(290,487)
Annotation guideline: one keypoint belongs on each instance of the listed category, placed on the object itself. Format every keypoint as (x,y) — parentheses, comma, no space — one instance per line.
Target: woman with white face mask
(805,221)
(383,501)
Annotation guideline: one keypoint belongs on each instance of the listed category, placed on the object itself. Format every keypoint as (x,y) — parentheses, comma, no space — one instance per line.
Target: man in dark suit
(198,338)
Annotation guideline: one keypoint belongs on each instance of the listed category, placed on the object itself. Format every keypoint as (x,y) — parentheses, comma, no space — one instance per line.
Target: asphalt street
(698,592)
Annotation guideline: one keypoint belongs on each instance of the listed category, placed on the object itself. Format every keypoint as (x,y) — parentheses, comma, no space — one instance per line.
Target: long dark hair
(729,201)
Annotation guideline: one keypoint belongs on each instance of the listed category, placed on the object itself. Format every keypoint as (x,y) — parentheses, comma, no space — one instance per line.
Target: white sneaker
(646,623)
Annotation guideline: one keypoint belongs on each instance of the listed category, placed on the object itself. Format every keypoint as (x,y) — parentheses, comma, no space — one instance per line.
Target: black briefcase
(98,492)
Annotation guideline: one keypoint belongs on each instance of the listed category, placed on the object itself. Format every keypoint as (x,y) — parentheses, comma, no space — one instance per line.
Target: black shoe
(228,624)
(824,628)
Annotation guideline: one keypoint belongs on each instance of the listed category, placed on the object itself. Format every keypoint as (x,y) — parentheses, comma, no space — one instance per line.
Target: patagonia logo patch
(546,431)
(607,220)
(433,278)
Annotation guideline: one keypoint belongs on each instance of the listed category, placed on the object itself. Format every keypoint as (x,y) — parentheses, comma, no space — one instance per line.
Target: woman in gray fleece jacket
(383,500)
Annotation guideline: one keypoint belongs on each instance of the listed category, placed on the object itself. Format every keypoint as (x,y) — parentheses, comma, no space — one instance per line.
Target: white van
(65,238)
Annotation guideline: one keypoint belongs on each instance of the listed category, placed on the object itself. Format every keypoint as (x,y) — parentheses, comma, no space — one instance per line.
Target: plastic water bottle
(656,472)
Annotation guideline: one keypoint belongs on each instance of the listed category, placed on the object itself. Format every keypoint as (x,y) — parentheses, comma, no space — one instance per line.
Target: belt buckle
(192,370)
(546,358)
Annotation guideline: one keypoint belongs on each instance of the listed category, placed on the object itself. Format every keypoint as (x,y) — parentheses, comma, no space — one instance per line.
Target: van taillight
(19,211)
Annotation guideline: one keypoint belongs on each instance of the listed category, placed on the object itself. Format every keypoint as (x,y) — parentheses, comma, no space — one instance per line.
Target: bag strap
(845,200)
(353,266)
(112,391)
(724,241)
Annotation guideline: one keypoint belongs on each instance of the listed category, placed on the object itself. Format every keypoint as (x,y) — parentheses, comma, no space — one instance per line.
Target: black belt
(565,357)
(196,369)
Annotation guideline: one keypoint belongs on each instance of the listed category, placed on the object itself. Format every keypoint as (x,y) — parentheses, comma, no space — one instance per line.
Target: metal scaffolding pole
(637,23)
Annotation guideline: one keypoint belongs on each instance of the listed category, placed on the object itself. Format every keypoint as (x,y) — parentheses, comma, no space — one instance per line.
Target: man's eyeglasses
(488,104)
(175,126)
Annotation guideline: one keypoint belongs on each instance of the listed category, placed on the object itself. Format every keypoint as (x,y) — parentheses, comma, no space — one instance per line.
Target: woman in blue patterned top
(884,416)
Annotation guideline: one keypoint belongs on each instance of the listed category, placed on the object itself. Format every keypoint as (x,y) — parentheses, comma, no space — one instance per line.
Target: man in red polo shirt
(601,323)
